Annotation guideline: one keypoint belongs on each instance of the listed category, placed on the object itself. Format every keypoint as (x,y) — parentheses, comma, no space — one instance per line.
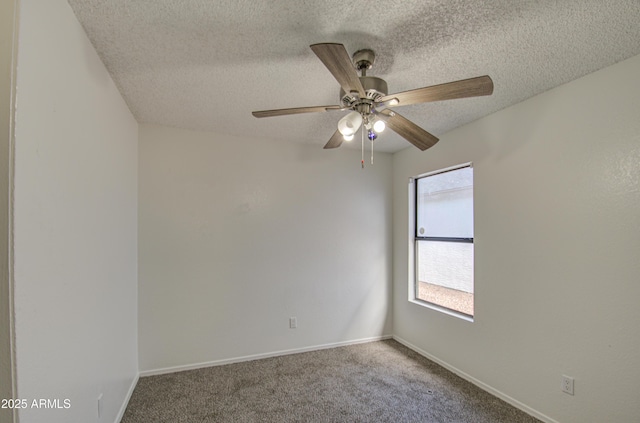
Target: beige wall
(557,237)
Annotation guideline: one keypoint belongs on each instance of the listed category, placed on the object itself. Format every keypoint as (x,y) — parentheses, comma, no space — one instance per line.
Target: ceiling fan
(368,99)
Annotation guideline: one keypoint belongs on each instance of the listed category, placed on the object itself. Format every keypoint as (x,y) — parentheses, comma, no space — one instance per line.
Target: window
(443,239)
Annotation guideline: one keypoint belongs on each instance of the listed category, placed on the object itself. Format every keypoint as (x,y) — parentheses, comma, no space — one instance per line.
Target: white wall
(7,65)
(557,236)
(75,223)
(237,235)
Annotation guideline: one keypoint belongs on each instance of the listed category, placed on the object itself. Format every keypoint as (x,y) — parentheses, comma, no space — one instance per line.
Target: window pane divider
(444,239)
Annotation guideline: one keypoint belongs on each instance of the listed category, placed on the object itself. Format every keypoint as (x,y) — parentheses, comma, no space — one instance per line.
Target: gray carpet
(373,382)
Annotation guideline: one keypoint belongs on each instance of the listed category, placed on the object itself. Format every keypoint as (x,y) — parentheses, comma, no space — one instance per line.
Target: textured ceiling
(205,65)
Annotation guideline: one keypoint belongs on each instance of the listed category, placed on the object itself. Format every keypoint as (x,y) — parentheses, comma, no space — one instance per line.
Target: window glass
(445,274)
(445,204)
(443,244)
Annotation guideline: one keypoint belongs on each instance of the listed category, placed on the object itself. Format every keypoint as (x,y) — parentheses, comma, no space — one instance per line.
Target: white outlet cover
(567,384)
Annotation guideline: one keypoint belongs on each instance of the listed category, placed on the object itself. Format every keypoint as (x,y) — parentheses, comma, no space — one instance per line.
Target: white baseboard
(127,398)
(479,383)
(259,356)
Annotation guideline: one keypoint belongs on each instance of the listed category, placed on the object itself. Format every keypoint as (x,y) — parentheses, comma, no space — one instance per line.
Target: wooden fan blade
(474,87)
(408,130)
(335,140)
(337,60)
(293,111)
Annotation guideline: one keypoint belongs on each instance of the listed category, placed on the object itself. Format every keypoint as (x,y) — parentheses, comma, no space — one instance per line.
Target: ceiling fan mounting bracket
(363,60)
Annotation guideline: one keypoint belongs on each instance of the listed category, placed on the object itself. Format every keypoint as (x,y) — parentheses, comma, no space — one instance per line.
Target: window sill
(442,309)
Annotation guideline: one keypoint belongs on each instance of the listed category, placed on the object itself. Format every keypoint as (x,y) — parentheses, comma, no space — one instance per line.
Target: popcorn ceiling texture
(205,65)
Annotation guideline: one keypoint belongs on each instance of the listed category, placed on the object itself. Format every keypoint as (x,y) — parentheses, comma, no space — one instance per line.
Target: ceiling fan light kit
(369,101)
(350,124)
(379,126)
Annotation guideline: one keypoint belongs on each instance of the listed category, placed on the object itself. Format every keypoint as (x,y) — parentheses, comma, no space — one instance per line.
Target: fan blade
(474,87)
(294,111)
(408,130)
(335,141)
(337,60)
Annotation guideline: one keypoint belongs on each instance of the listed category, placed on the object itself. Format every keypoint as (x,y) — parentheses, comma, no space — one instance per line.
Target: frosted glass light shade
(379,126)
(349,124)
(348,137)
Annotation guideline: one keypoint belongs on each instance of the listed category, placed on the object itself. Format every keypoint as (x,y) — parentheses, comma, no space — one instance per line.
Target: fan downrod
(364,60)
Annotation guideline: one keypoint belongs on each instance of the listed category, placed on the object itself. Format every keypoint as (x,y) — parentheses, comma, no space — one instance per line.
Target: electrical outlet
(567,384)
(293,322)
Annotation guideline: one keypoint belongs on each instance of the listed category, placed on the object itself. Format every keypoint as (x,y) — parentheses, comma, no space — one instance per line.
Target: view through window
(444,239)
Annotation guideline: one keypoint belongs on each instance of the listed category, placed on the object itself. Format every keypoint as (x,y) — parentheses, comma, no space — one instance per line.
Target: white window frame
(412,260)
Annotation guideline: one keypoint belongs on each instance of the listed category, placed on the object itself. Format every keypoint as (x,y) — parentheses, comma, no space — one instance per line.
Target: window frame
(414,238)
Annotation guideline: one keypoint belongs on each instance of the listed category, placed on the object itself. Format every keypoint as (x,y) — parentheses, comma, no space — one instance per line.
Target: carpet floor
(373,382)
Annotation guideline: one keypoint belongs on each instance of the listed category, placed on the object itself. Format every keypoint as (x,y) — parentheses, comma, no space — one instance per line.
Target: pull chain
(371,151)
(362,138)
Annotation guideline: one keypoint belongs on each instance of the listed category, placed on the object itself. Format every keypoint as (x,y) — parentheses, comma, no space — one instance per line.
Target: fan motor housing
(374,89)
